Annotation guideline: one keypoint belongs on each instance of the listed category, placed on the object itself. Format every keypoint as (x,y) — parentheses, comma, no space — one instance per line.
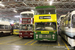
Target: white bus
(68,28)
(5,28)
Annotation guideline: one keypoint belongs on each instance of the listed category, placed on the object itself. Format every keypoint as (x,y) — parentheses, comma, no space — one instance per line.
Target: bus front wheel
(1,34)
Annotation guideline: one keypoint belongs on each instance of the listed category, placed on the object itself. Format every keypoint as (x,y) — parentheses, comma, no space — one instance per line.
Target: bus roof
(25,12)
(62,16)
(38,7)
(4,23)
(73,12)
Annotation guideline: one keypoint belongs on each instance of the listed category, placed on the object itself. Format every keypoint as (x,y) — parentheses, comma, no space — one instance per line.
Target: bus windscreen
(26,27)
(45,26)
(26,15)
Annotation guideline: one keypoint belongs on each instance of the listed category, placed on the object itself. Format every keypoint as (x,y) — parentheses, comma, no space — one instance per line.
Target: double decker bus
(26,24)
(67,28)
(16,29)
(45,23)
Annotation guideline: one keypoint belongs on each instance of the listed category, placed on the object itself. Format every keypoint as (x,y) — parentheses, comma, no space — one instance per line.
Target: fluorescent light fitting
(15,11)
(0,2)
(2,5)
(51,2)
(17,16)
(12,22)
(24,3)
(32,10)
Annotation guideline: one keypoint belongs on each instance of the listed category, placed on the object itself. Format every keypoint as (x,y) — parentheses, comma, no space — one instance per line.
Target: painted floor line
(0,43)
(6,37)
(28,42)
(58,44)
(66,45)
(33,45)
(33,42)
(2,37)
(9,40)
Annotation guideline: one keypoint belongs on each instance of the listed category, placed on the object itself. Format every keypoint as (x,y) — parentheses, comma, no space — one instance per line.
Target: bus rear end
(16,29)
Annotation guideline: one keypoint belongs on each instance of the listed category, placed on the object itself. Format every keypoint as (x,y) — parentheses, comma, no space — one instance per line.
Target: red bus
(26,24)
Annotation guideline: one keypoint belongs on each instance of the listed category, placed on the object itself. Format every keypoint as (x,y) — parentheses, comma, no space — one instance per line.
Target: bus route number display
(44,17)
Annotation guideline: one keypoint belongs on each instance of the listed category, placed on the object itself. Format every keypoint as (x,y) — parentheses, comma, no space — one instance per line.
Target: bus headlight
(36,35)
(35,32)
(53,32)
(53,36)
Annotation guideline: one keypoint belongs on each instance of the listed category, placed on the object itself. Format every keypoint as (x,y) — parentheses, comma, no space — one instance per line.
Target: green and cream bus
(45,23)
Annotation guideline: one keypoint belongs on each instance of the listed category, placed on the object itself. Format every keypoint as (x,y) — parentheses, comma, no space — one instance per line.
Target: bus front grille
(45,36)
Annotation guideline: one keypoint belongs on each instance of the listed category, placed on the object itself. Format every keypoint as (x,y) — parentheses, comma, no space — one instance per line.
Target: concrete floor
(15,43)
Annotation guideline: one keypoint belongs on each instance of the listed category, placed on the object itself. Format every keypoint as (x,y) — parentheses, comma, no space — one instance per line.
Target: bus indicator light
(35,32)
(53,32)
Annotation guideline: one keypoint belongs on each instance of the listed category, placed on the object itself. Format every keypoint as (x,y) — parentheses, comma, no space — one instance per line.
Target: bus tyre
(1,34)
(55,41)
(39,41)
(11,33)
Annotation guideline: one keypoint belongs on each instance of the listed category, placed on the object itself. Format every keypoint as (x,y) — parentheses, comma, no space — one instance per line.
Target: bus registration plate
(25,33)
(44,32)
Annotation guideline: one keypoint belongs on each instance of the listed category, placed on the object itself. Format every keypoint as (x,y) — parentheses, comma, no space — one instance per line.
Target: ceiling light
(17,16)
(2,4)
(32,10)
(15,11)
(12,22)
(24,3)
(51,2)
